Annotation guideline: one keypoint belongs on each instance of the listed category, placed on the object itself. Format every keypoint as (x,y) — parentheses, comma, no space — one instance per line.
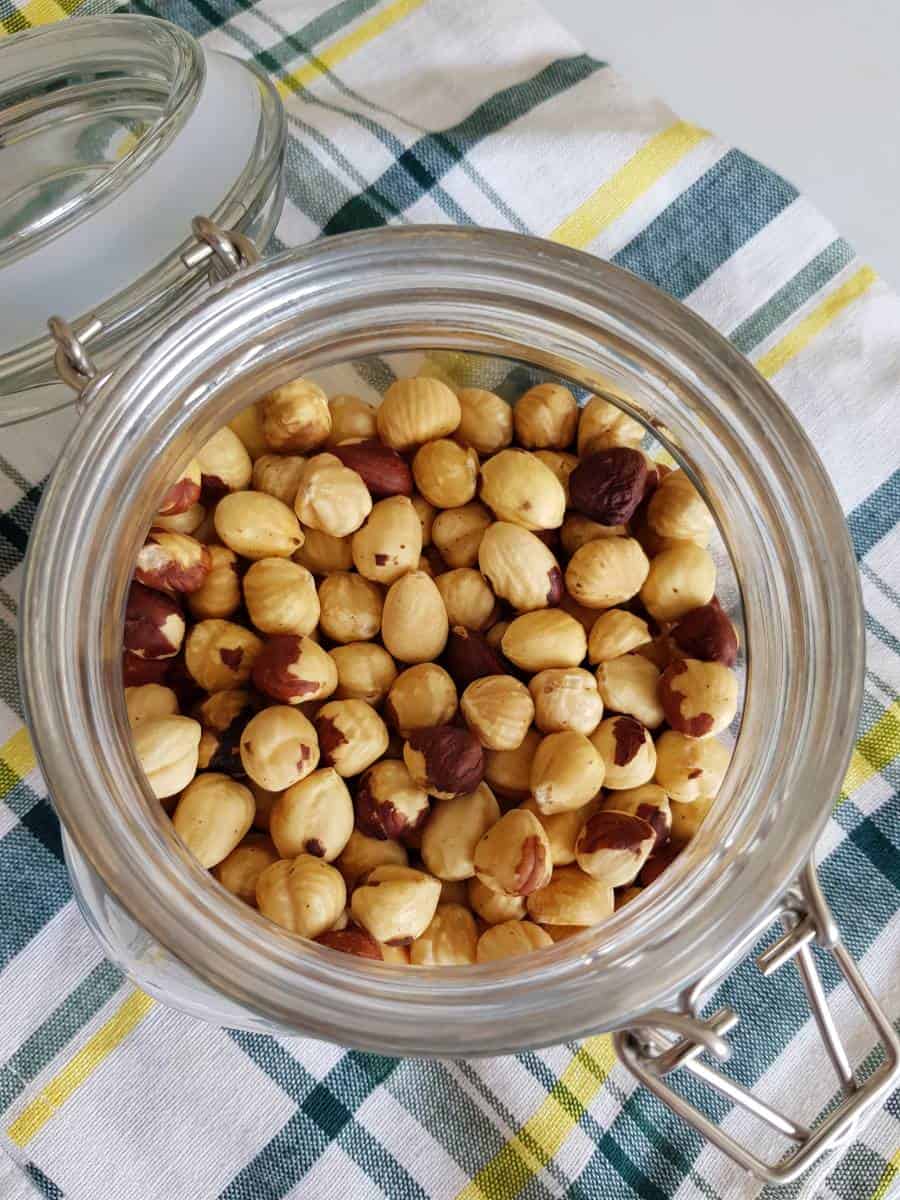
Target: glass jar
(162,917)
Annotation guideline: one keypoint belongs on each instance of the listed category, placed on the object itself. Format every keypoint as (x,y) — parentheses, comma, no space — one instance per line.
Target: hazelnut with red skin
(172,562)
(613,846)
(154,624)
(698,698)
(293,669)
(609,486)
(352,940)
(383,470)
(706,633)
(445,761)
(469,656)
(389,804)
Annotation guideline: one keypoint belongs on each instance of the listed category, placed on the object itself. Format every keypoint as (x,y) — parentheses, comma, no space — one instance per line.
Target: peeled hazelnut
(510,939)
(608,486)
(256,525)
(561,464)
(351,735)
(613,846)
(513,855)
(362,854)
(426,513)
(486,422)
(414,411)
(698,698)
(396,904)
(351,417)
(566,698)
(149,701)
(457,533)
(390,542)
(562,829)
(139,671)
(350,607)
(446,473)
(578,530)
(706,633)
(219,595)
(687,818)
(585,616)
(414,624)
(220,654)
(279,747)
(294,669)
(213,815)
(616,632)
(493,907)
(278,475)
(265,802)
(445,761)
(573,898)
(627,750)
(519,488)
(519,567)
(509,771)
(606,572)
(184,492)
(602,425)
(281,597)
(494,637)
(314,816)
(239,871)
(548,637)
(352,940)
(678,581)
(365,671)
(454,829)
(630,684)
(421,697)
(566,772)
(468,657)
(321,553)
(186,522)
(248,426)
(467,598)
(172,562)
(383,470)
(499,710)
(331,497)
(650,803)
(449,940)
(220,710)
(389,804)
(166,748)
(154,626)
(546,417)
(690,768)
(225,465)
(455,891)
(677,510)
(304,895)
(295,417)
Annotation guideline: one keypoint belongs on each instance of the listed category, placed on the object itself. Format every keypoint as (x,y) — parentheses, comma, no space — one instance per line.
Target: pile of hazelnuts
(437,682)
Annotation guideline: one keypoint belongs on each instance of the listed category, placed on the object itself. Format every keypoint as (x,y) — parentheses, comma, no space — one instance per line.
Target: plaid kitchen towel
(435,110)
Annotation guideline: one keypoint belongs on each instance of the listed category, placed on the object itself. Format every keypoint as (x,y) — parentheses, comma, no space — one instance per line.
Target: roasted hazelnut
(314,816)
(321,553)
(139,671)
(608,486)
(606,572)
(166,748)
(295,417)
(219,595)
(561,464)
(281,597)
(566,772)
(566,698)
(248,426)
(613,846)
(304,895)
(331,497)
(445,761)
(449,940)
(690,768)
(678,581)
(390,542)
(454,829)
(220,710)
(457,533)
(578,530)
(365,671)
(350,607)
(509,771)
(546,638)
(212,817)
(351,735)
(572,898)
(278,475)
(184,492)
(650,803)
(486,423)
(446,473)
(499,710)
(616,632)
(389,804)
(706,633)
(603,424)
(294,670)
(493,907)
(687,818)
(256,525)
(149,701)
(546,417)
(362,854)
(510,939)
(415,411)
(513,856)
(279,747)
(414,623)
(627,750)
(154,626)
(225,465)
(519,488)
(396,904)
(562,829)
(468,657)
(519,567)
(172,562)
(467,598)
(351,417)
(220,654)
(677,510)
(630,684)
(352,940)
(189,521)
(699,698)
(239,871)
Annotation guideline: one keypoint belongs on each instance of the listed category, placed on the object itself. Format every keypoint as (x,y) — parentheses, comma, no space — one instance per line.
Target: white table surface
(810,87)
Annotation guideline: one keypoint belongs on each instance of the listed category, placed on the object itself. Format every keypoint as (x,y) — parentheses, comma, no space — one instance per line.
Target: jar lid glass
(114,132)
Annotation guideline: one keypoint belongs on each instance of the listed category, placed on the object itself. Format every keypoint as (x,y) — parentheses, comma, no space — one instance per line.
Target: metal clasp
(226,250)
(665,1042)
(73,364)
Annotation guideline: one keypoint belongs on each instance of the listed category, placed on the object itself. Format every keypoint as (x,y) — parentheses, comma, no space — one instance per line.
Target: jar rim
(590,322)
